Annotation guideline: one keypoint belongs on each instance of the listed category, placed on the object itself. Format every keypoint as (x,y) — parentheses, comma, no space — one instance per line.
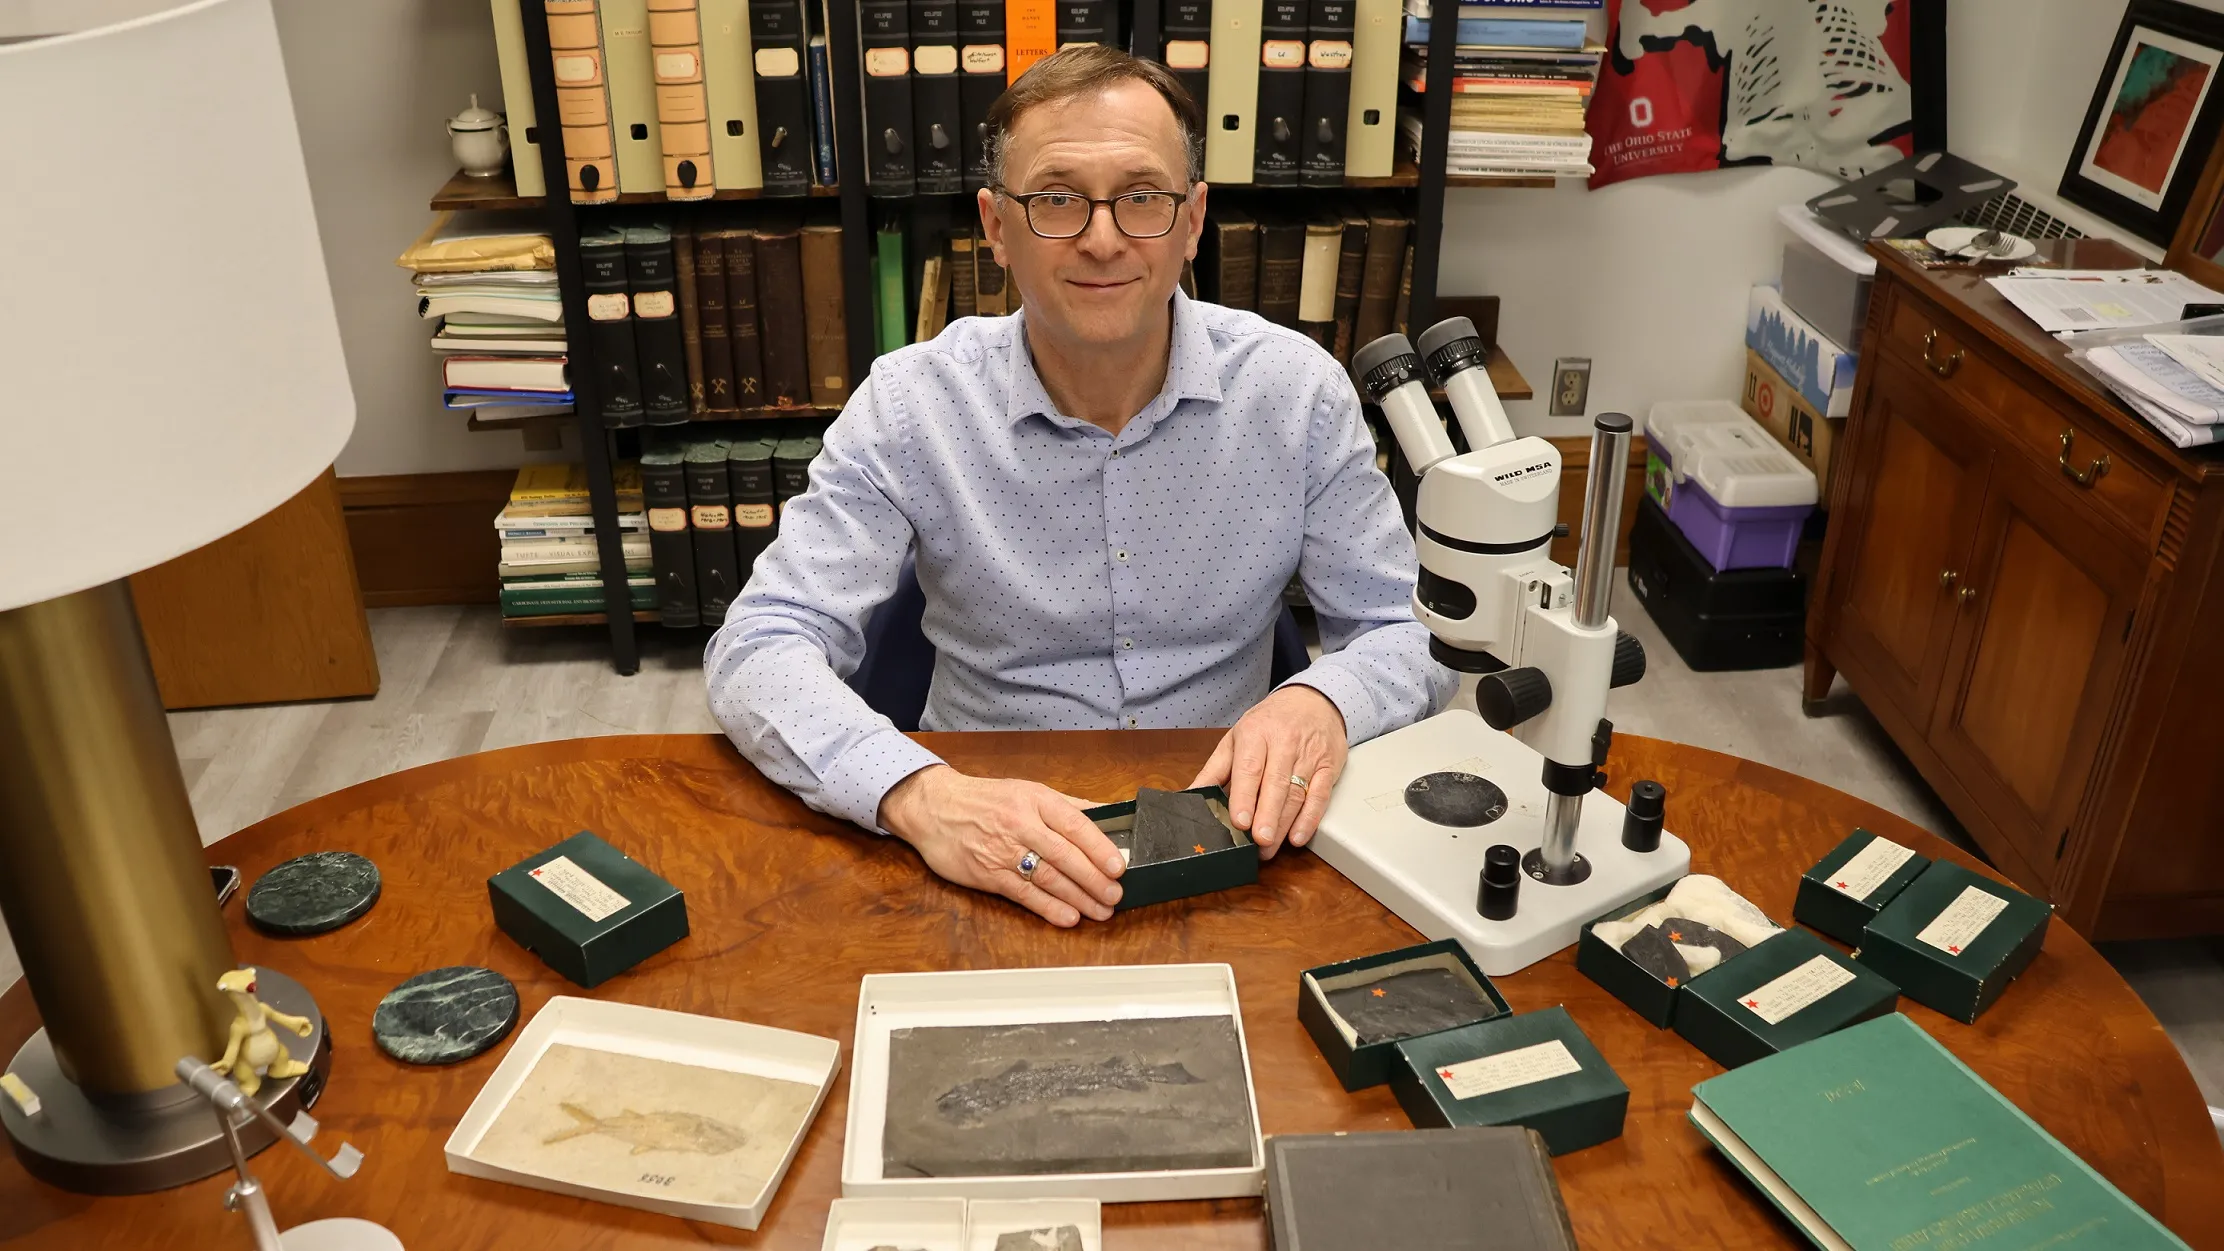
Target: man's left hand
(1296,732)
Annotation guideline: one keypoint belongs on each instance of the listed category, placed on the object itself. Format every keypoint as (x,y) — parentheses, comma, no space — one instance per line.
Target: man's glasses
(1065,215)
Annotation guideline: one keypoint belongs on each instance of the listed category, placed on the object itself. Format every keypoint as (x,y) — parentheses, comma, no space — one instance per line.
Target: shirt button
(1131,723)
(1121,555)
(1115,451)
(1129,643)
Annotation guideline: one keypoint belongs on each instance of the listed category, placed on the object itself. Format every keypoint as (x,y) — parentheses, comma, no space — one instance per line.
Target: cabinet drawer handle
(1966,594)
(1946,578)
(1943,368)
(2091,473)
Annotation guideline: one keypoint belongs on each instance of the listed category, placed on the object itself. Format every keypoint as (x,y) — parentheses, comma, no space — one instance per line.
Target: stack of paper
(2064,300)
(2170,380)
(488,282)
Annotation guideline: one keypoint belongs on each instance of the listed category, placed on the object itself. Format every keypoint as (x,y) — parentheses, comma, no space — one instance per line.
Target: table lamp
(172,371)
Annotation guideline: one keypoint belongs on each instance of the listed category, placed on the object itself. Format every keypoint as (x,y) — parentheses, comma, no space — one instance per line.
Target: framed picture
(2154,119)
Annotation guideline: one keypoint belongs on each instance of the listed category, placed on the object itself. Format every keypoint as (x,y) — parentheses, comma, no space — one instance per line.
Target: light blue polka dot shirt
(1075,579)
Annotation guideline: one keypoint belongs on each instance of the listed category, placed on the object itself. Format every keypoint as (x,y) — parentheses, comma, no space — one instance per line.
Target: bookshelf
(1426,179)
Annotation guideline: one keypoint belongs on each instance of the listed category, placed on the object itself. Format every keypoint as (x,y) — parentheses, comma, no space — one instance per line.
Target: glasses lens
(1056,216)
(1145,214)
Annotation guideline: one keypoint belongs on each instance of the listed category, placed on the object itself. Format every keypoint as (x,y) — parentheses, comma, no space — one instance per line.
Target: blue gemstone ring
(1028,864)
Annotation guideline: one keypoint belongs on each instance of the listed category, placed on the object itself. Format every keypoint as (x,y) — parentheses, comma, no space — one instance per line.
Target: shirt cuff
(863,775)
(1362,719)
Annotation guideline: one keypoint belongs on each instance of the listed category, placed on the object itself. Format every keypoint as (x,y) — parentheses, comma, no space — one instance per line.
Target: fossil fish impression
(1024,1083)
(654,1131)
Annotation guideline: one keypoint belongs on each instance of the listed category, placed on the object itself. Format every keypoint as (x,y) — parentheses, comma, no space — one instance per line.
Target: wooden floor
(455,682)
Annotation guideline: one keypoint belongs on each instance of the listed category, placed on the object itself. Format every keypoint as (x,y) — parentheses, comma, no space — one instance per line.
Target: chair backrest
(899,661)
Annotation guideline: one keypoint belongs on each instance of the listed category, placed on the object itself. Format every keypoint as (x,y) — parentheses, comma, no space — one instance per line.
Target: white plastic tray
(927,1224)
(986,1220)
(892,1001)
(652,1033)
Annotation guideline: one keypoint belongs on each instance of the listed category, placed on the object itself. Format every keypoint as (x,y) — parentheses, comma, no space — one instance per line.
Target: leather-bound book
(602,264)
(657,333)
(777,39)
(980,81)
(749,474)
(962,302)
(1351,264)
(691,321)
(671,549)
(1230,258)
(884,26)
(991,296)
(742,323)
(826,327)
(582,100)
(1404,305)
(717,349)
(682,107)
(1283,26)
(937,152)
(710,518)
(1085,21)
(1327,93)
(1281,268)
(1188,47)
(780,316)
(1378,275)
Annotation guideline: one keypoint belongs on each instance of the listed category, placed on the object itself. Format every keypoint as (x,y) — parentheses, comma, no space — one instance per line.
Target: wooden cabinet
(2024,583)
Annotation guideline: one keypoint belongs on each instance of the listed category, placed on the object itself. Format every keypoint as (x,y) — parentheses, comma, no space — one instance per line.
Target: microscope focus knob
(1508,698)
(1629,659)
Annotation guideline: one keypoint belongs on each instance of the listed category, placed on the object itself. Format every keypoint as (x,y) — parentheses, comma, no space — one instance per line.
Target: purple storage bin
(1739,496)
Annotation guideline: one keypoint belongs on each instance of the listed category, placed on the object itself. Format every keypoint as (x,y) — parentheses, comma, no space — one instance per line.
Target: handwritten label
(1282,54)
(1523,1066)
(1860,876)
(1962,921)
(982,58)
(654,304)
(1329,54)
(1778,1000)
(887,62)
(608,306)
(579,888)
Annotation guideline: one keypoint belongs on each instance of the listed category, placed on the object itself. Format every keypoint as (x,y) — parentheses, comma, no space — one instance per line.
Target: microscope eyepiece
(1450,346)
(1385,365)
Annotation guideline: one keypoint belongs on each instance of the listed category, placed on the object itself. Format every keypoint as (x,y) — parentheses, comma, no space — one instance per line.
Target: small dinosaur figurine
(254,1052)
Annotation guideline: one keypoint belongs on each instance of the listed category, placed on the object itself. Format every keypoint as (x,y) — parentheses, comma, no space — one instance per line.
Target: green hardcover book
(888,267)
(1876,1138)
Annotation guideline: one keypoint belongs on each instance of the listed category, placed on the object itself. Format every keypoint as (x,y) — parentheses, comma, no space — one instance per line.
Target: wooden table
(790,909)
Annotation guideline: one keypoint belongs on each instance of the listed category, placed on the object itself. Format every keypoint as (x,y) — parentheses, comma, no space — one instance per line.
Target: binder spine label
(609,306)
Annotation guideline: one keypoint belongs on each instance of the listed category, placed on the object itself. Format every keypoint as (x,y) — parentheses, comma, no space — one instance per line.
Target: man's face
(1100,286)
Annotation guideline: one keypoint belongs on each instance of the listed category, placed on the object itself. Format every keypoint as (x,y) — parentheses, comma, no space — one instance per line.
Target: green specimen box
(1536,1070)
(1791,989)
(1843,892)
(1954,939)
(1221,859)
(1387,999)
(1645,994)
(586,909)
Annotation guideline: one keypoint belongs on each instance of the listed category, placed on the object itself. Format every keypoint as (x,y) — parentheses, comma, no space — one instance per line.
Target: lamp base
(88,1148)
(341,1233)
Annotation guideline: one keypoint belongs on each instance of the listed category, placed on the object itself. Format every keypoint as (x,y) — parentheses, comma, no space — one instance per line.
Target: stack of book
(714,505)
(550,562)
(1342,274)
(486,282)
(1523,74)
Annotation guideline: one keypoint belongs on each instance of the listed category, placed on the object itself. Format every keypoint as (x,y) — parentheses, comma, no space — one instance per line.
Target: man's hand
(973,832)
(1295,732)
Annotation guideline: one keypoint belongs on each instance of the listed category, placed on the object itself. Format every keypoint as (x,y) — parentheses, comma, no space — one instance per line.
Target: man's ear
(992,222)
(1196,223)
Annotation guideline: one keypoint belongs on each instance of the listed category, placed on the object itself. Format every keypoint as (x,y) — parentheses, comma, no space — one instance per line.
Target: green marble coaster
(312,894)
(445,1016)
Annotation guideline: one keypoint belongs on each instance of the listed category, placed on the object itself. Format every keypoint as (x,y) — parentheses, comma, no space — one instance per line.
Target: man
(1105,494)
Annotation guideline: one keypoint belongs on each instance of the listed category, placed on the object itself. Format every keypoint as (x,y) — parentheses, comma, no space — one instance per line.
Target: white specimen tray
(1429,874)
(986,1220)
(927,1224)
(891,1001)
(655,1034)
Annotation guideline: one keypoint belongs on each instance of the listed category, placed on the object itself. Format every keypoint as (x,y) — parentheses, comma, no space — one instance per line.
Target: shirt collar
(1190,371)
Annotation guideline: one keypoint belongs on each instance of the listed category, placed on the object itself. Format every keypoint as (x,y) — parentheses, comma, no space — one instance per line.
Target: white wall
(372,84)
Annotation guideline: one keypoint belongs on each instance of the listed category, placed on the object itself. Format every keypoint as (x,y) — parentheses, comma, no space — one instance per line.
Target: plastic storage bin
(1736,493)
(1743,619)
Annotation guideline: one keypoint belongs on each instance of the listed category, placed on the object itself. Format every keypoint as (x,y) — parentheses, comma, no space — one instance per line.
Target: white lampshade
(170,366)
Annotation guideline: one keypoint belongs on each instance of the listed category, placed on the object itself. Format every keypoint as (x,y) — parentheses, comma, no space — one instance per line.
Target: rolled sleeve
(1358,569)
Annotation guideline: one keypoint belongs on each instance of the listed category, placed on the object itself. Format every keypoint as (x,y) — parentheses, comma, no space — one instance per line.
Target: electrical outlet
(1571,386)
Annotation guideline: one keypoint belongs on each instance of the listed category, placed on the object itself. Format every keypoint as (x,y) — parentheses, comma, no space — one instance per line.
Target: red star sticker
(1842,886)
(1446,1074)
(1672,983)
(1956,950)
(536,873)
(1200,849)
(1380,992)
(1753,1003)
(1674,936)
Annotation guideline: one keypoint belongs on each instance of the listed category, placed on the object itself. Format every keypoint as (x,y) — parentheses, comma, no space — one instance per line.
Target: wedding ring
(1028,864)
(1297,781)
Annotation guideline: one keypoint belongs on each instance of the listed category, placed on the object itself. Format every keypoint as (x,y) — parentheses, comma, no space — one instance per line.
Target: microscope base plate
(1428,874)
